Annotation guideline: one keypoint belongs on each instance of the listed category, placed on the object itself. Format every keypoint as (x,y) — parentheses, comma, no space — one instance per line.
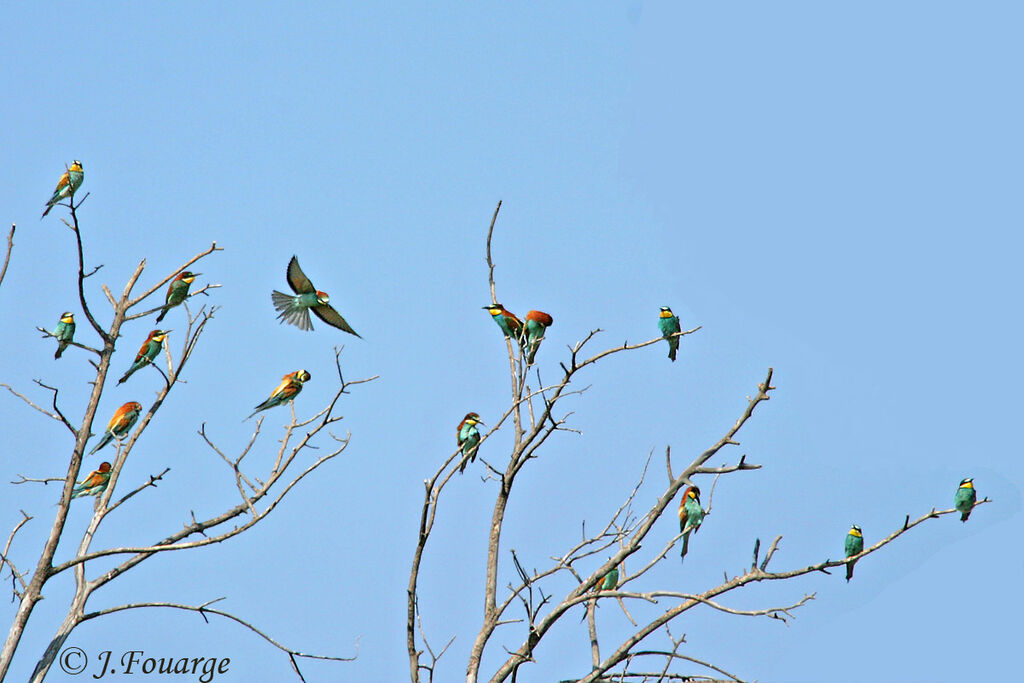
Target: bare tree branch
(10,248)
(205,609)
(5,555)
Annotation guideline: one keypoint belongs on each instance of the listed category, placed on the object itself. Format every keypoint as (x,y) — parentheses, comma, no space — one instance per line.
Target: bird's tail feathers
(294,315)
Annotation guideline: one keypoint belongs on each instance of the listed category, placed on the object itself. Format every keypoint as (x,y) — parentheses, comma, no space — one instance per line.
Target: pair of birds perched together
(963,502)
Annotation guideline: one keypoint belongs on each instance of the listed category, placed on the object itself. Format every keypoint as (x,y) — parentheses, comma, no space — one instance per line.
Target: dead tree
(256,494)
(532,603)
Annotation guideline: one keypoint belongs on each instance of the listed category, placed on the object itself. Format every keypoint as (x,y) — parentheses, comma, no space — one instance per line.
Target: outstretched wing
(332,317)
(298,281)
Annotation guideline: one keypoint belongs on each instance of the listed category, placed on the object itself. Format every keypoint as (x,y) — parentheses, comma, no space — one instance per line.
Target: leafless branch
(7,258)
(48,334)
(22,479)
(5,556)
(27,400)
(204,609)
(490,262)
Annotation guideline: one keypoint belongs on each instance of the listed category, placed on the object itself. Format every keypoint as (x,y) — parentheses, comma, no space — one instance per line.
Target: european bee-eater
(468,438)
(691,514)
(536,324)
(507,321)
(854,546)
(95,483)
(610,581)
(289,388)
(122,422)
(154,342)
(65,332)
(66,186)
(668,323)
(177,291)
(295,309)
(965,498)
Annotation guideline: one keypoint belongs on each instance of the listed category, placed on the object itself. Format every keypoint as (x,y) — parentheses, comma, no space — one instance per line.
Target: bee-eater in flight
(289,388)
(536,324)
(468,437)
(507,321)
(154,342)
(854,546)
(95,483)
(120,424)
(965,498)
(295,309)
(177,291)
(691,514)
(66,186)
(668,323)
(65,332)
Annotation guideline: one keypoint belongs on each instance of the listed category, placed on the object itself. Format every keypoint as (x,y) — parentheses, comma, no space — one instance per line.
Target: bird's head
(158,335)
(301,375)
(967,483)
(76,165)
(541,318)
(104,467)
(322,298)
(694,493)
(494,309)
(473,419)
(187,276)
(855,531)
(67,317)
(666,312)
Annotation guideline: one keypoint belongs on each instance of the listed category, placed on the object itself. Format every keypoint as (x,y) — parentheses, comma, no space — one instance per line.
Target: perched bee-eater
(965,498)
(668,323)
(154,342)
(295,309)
(691,514)
(95,483)
(66,186)
(610,581)
(65,332)
(289,388)
(507,321)
(854,546)
(536,324)
(468,438)
(122,422)
(177,291)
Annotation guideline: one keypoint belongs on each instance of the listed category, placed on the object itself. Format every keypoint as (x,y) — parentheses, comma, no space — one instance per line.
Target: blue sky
(827,189)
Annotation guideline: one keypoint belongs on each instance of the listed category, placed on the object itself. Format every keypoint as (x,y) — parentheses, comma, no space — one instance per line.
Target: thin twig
(10,247)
